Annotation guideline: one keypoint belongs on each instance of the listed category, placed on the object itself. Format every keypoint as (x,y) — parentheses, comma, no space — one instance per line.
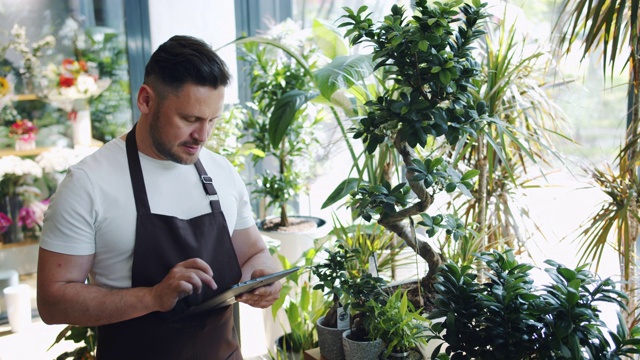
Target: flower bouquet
(24,131)
(17,176)
(76,82)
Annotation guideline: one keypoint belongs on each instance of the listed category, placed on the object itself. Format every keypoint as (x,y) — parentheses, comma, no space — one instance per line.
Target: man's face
(183,121)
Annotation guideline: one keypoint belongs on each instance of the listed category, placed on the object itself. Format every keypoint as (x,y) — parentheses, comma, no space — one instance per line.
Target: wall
(212,21)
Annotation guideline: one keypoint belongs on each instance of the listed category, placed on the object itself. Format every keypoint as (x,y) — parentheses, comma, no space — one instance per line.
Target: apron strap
(135,171)
(207,184)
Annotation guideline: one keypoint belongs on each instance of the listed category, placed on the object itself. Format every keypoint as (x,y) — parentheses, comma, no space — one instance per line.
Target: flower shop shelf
(21,153)
(21,256)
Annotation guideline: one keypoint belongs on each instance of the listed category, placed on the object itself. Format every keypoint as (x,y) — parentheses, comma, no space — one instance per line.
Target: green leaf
(343,72)
(445,77)
(284,112)
(342,190)
(328,39)
(470,174)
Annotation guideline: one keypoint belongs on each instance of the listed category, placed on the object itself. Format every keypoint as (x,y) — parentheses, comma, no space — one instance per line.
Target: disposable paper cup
(7,278)
(18,300)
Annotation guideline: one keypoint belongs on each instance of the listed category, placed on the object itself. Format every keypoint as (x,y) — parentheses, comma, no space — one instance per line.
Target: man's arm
(255,260)
(64,297)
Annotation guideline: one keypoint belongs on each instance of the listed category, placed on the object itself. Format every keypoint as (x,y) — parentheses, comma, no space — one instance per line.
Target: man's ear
(146,98)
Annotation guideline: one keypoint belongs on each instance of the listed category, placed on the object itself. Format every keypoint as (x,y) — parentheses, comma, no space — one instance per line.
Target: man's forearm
(91,305)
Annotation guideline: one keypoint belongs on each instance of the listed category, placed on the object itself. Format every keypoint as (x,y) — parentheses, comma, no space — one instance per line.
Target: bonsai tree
(428,102)
(332,275)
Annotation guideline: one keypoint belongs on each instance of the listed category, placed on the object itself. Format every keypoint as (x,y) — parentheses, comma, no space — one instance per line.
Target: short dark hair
(185,59)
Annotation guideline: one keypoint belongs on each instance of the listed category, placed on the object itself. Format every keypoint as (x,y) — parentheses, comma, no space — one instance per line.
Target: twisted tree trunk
(402,224)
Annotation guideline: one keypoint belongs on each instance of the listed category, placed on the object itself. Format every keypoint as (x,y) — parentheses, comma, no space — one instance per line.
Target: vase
(10,205)
(80,119)
(26,142)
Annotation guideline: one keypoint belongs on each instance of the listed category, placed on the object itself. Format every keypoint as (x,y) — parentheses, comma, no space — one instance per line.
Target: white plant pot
(294,244)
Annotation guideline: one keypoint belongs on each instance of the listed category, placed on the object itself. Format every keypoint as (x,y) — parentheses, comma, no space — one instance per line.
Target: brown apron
(161,242)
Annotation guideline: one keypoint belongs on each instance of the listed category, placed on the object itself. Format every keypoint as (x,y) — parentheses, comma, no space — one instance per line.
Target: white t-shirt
(93,210)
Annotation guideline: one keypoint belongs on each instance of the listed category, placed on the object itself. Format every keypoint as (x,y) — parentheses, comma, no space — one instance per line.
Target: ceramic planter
(361,350)
(294,244)
(330,341)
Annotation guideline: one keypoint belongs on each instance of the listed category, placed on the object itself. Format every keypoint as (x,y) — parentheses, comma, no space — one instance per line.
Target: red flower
(22,127)
(66,62)
(5,222)
(66,81)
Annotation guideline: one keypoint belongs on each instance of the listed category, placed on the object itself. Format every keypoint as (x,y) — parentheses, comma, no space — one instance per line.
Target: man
(142,220)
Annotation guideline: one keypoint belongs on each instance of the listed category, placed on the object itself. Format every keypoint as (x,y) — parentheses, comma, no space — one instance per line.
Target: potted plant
(425,108)
(287,162)
(510,317)
(358,342)
(332,276)
(85,335)
(298,310)
(398,324)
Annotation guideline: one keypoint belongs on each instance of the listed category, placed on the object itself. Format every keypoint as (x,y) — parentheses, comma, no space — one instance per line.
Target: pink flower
(5,222)
(27,217)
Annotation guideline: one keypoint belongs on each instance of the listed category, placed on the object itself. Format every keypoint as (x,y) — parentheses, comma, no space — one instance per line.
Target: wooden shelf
(25,242)
(34,152)
(313,354)
(24,97)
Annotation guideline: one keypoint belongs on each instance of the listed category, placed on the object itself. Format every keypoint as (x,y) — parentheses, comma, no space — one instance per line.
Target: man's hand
(263,296)
(184,279)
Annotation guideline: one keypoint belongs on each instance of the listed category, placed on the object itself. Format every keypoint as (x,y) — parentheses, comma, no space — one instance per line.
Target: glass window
(52,51)
(306,11)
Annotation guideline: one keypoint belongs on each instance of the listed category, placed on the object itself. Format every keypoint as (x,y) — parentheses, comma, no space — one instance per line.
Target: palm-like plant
(613,27)
(513,87)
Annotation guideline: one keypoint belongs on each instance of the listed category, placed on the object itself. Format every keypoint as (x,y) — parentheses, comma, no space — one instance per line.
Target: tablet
(228,297)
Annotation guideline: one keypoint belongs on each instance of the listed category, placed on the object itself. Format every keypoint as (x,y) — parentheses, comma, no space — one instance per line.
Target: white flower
(14,165)
(58,160)
(86,84)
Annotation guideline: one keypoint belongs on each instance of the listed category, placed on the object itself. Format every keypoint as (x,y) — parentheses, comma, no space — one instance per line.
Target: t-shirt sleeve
(245,215)
(69,220)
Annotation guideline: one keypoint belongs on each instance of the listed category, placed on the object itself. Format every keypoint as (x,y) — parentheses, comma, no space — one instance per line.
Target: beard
(163,147)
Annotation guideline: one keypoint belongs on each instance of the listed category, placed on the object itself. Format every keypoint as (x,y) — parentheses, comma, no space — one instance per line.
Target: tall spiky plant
(513,85)
(612,27)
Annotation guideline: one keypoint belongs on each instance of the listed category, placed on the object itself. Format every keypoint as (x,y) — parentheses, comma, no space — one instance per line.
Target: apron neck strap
(207,184)
(135,172)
